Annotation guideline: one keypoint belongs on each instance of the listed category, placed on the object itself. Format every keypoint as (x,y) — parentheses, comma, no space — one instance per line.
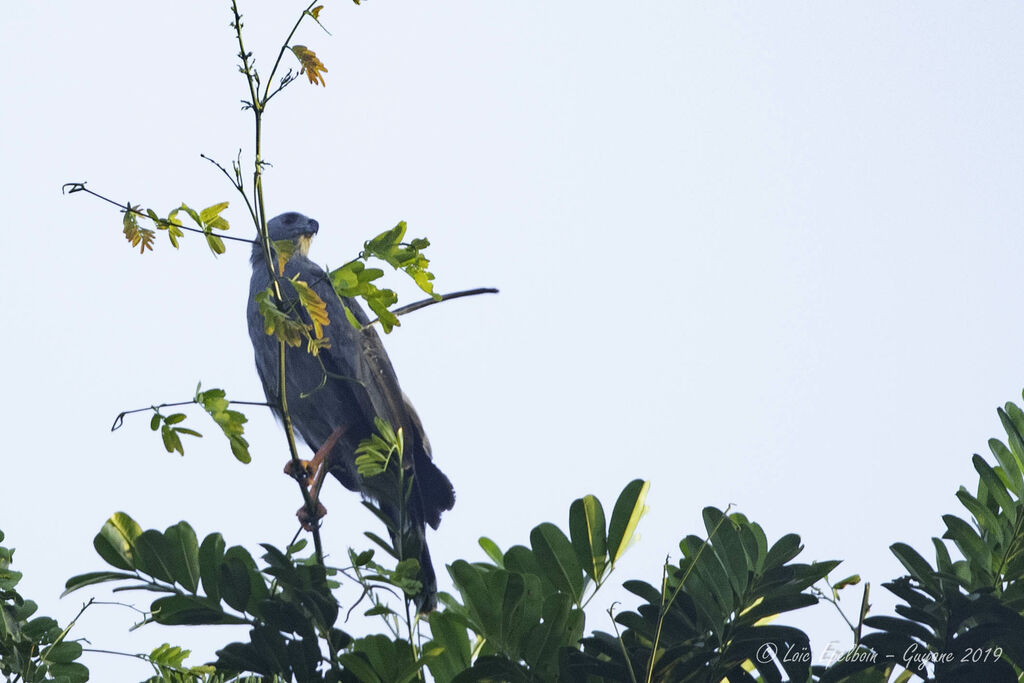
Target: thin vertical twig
(260,217)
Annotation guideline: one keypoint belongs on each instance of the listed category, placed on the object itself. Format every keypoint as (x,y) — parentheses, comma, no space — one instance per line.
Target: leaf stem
(284,46)
(417,305)
(80,187)
(119,420)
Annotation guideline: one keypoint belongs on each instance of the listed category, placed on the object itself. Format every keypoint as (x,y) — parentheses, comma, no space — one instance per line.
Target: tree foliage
(519,614)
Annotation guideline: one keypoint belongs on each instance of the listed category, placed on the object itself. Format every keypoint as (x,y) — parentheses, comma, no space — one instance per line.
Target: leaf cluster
(215,403)
(169,430)
(374,454)
(354,279)
(284,321)
(963,619)
(168,662)
(207,220)
(231,422)
(32,648)
(525,606)
(287,602)
(708,621)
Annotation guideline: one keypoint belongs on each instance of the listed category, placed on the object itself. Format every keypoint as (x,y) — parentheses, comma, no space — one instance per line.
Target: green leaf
(115,542)
(851,580)
(241,586)
(492,550)
(211,554)
(993,484)
(558,560)
(968,541)
(153,554)
(184,555)
(192,213)
(216,244)
(73,672)
(169,656)
(1012,467)
(211,216)
(231,422)
(92,578)
(363,558)
(449,652)
(382,543)
(172,442)
(587,530)
(626,514)
(782,551)
(728,547)
(178,610)
(63,652)
(985,518)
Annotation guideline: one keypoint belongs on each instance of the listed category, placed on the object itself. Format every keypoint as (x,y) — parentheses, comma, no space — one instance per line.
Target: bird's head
(295,227)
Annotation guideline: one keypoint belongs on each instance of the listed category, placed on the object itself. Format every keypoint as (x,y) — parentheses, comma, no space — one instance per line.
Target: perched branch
(417,305)
(119,420)
(126,208)
(259,215)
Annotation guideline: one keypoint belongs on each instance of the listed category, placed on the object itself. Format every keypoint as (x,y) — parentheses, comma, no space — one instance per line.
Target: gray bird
(342,390)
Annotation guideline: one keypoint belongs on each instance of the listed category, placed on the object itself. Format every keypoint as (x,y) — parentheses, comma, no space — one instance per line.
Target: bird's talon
(306,520)
(301,473)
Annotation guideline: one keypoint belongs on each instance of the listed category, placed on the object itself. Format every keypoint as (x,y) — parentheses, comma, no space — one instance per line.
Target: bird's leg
(309,469)
(312,474)
(319,465)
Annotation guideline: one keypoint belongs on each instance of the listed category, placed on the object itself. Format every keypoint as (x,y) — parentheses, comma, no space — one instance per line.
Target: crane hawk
(338,393)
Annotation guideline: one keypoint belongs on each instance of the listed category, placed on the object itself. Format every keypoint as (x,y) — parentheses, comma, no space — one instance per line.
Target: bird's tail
(426,599)
(412,542)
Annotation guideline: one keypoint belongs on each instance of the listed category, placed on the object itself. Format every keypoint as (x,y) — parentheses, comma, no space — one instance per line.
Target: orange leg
(312,474)
(310,469)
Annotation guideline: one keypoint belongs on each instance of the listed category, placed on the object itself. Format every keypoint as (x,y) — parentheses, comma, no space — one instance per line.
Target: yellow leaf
(211,216)
(316,11)
(311,65)
(314,305)
(284,250)
(313,346)
(277,322)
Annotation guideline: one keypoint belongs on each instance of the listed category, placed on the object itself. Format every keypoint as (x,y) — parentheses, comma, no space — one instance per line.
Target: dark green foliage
(32,648)
(518,616)
(705,622)
(287,602)
(527,604)
(964,620)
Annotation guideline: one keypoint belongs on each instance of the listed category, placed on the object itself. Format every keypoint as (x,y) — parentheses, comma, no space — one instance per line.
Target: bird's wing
(264,345)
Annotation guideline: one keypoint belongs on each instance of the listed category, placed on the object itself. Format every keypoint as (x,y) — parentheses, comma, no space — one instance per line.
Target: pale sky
(765,254)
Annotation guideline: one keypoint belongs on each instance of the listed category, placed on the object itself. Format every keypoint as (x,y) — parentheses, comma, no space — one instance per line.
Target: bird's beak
(304,242)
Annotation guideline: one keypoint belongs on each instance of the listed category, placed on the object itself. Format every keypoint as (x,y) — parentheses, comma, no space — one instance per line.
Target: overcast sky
(765,254)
